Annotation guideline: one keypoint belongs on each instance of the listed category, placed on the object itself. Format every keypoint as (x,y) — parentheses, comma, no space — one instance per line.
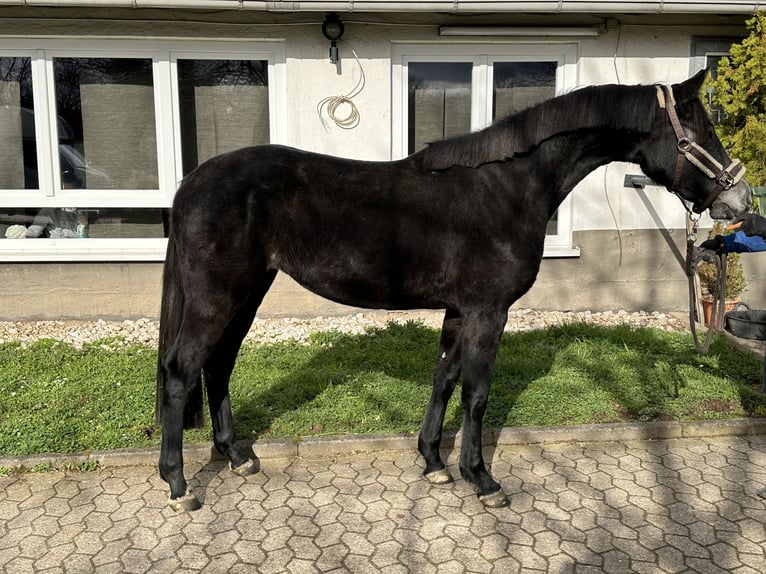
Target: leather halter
(697,156)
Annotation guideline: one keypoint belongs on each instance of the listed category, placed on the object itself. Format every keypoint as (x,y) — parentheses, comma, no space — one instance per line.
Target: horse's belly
(376,291)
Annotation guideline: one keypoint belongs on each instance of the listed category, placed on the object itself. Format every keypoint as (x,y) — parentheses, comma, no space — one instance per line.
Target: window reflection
(18,151)
(439,101)
(69,222)
(106,126)
(711,63)
(520,85)
(224,105)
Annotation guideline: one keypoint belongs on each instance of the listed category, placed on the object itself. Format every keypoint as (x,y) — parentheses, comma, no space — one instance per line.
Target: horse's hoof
(497,499)
(247,468)
(440,476)
(185,503)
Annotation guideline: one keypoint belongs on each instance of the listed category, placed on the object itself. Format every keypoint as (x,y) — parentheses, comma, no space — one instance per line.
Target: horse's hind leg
(445,378)
(182,365)
(218,371)
(205,321)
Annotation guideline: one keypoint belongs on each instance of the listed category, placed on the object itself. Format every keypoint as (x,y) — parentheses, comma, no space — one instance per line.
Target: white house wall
(371,140)
(602,207)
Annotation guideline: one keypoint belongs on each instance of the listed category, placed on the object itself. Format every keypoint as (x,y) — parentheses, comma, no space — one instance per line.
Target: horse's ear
(690,89)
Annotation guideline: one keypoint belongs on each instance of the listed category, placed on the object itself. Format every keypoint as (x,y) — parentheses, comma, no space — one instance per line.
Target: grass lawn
(56,398)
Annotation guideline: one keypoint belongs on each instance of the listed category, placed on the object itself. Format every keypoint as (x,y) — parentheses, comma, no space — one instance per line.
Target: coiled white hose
(336,106)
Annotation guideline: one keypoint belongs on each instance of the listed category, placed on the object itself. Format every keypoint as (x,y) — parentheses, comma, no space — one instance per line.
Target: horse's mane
(597,107)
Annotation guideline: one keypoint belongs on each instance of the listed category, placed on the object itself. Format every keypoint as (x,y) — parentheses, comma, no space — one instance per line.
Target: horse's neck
(571,157)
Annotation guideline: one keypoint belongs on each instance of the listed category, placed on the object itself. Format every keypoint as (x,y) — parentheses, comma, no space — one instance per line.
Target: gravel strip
(144,331)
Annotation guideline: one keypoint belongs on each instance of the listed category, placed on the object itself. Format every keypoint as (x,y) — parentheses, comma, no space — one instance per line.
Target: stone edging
(316,447)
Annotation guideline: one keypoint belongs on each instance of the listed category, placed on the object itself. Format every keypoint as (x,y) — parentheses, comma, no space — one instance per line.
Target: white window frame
(483,57)
(164,55)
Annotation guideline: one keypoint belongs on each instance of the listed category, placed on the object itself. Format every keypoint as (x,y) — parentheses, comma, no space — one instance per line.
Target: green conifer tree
(740,92)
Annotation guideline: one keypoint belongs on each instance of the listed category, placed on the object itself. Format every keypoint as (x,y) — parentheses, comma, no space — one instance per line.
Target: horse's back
(283,208)
(366,234)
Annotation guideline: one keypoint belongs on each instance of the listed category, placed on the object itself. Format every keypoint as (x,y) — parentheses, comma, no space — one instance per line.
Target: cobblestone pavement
(680,505)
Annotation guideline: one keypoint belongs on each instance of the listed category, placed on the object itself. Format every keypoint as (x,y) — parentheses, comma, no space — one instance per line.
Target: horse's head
(685,155)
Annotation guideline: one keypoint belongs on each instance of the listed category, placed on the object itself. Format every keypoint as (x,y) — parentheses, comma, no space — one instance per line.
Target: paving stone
(679,505)
(20,565)
(756,562)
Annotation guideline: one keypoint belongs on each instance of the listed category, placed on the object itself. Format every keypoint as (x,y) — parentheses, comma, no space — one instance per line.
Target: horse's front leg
(481,334)
(446,374)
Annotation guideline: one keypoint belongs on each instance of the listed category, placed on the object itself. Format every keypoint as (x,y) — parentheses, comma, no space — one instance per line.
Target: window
(18,153)
(444,91)
(224,105)
(94,140)
(706,52)
(439,102)
(107,134)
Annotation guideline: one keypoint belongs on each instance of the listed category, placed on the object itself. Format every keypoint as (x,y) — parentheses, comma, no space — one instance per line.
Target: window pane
(58,222)
(439,101)
(18,153)
(711,63)
(519,85)
(106,125)
(224,105)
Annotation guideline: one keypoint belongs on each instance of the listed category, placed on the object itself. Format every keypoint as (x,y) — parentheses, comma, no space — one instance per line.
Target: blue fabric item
(740,243)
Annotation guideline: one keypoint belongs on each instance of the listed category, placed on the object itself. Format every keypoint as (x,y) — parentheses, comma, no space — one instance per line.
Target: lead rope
(695,256)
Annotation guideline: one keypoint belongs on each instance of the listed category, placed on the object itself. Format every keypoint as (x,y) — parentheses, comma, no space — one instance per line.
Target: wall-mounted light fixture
(635,181)
(333,29)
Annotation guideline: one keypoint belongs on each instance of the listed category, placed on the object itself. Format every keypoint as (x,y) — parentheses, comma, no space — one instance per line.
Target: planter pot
(707,311)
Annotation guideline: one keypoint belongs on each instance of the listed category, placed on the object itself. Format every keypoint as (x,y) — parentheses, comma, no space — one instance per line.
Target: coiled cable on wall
(334,106)
(606,167)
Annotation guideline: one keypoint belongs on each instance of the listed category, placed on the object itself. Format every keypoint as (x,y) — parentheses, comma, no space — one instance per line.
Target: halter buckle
(725,179)
(684,145)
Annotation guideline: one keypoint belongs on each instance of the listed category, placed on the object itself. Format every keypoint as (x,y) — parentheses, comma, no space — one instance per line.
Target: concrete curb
(328,447)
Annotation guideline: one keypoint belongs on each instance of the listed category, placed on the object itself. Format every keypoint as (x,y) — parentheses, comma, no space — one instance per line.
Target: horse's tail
(171,311)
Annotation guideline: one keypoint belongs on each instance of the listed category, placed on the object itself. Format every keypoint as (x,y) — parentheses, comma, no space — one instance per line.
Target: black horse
(459,226)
